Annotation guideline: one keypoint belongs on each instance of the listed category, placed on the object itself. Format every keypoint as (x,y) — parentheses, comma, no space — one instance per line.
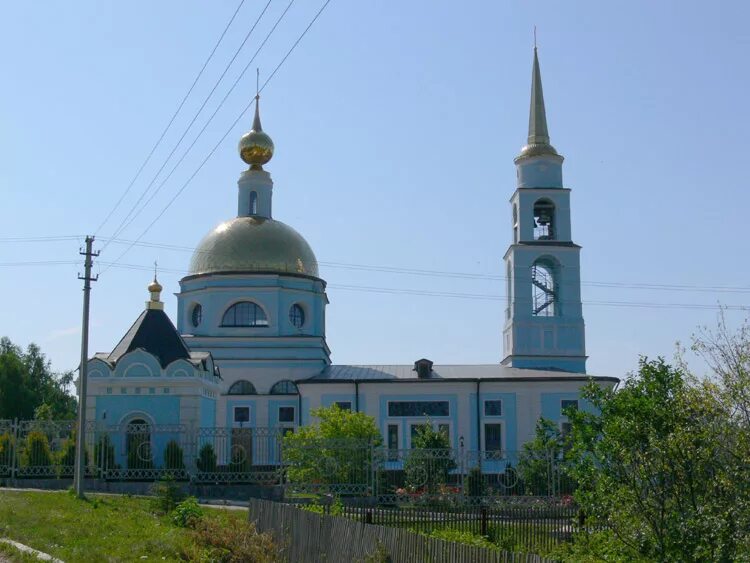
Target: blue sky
(395,126)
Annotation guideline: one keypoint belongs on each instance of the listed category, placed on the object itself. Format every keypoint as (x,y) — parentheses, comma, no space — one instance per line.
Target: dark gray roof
(154,333)
(342,373)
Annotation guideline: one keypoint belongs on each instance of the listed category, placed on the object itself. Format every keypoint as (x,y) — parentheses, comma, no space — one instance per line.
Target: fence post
(14,461)
(373,471)
(483,520)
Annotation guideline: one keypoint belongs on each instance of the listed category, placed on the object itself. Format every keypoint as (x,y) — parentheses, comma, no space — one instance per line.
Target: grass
(9,552)
(99,529)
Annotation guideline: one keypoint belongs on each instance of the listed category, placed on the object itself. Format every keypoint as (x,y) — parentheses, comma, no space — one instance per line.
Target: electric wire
(208,122)
(122,224)
(221,140)
(171,121)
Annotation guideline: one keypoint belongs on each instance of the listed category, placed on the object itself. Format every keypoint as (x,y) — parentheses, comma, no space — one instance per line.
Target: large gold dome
(254,244)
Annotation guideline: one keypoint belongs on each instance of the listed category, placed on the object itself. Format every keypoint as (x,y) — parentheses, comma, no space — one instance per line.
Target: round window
(197,314)
(297,316)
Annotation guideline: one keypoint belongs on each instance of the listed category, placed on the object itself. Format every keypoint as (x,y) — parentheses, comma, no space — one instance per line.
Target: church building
(249,348)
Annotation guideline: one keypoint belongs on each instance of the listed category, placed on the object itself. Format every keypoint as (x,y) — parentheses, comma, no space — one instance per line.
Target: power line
(459,275)
(229,130)
(123,224)
(171,121)
(208,121)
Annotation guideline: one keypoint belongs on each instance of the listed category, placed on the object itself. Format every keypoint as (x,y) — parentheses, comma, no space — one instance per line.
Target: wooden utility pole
(80,467)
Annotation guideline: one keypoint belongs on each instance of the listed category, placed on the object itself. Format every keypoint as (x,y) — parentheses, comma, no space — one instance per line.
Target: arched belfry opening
(544,220)
(545,289)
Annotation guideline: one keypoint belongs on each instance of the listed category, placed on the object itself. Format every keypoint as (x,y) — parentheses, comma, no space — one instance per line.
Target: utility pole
(80,468)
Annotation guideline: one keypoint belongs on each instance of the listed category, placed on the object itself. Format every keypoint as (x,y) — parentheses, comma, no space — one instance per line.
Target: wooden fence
(310,537)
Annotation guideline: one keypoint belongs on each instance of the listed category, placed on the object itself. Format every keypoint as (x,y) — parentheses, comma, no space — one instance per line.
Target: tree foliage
(663,464)
(28,386)
(430,462)
(541,462)
(336,450)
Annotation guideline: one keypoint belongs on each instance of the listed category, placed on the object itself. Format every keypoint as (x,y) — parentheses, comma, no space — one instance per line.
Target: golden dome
(254,245)
(256,147)
(155,286)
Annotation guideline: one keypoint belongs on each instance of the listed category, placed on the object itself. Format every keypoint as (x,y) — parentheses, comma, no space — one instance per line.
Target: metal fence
(139,451)
(316,537)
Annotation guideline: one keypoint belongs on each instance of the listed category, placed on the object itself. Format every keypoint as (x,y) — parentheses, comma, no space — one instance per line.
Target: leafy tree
(336,450)
(662,463)
(540,463)
(27,382)
(430,462)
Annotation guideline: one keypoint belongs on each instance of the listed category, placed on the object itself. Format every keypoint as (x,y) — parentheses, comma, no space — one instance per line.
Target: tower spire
(538,140)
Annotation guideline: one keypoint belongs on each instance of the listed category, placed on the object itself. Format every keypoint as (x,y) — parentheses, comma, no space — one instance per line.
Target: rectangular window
(166,390)
(493,408)
(565,404)
(137,390)
(418,408)
(286,414)
(242,414)
(124,390)
(109,390)
(445,430)
(393,436)
(493,438)
(392,442)
(344,405)
(152,390)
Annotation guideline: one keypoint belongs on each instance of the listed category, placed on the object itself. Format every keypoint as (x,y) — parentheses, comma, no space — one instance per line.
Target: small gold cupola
(154,289)
(256,147)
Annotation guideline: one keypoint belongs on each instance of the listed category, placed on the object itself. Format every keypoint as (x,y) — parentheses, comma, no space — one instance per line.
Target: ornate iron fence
(139,451)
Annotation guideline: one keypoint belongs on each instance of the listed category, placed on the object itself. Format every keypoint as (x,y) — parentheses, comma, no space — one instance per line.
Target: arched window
(515,223)
(253,203)
(138,444)
(244,313)
(544,288)
(242,387)
(544,220)
(196,316)
(284,387)
(297,316)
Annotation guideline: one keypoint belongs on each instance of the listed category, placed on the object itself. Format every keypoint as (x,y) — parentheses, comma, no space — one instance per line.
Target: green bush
(6,447)
(66,458)
(206,459)
(459,536)
(187,513)
(235,541)
(37,452)
(166,495)
(173,458)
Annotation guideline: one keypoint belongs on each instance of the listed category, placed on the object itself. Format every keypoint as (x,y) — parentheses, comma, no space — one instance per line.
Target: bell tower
(544,326)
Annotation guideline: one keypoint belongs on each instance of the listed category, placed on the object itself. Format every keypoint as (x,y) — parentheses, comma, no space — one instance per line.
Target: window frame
(259,321)
(239,382)
(297,308)
(417,414)
(501,436)
(499,401)
(196,315)
(273,390)
(286,408)
(237,408)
